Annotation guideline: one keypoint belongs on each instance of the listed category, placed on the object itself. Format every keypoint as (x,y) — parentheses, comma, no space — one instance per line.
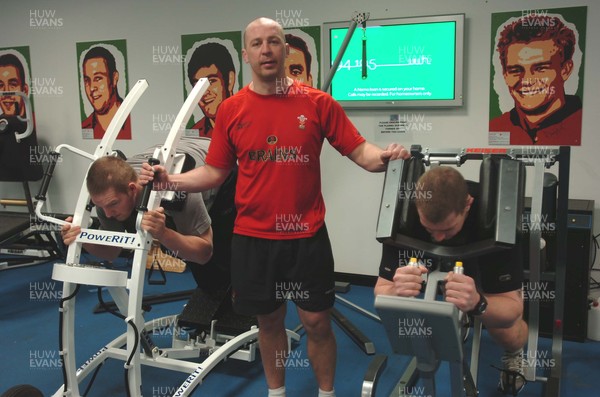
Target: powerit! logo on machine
(189,382)
(108,238)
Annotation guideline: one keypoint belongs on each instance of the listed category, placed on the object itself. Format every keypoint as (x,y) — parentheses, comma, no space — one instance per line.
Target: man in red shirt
(274,129)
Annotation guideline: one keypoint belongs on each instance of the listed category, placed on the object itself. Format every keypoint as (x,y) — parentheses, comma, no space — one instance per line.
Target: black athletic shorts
(266,273)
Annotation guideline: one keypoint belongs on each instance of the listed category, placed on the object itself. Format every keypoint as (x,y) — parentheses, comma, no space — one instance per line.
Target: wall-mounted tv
(411,62)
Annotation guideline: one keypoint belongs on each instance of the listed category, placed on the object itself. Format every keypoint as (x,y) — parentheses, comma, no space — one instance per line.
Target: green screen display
(405,62)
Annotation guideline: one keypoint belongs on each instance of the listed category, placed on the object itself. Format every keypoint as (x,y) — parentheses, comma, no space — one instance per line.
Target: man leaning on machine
(490,287)
(186,231)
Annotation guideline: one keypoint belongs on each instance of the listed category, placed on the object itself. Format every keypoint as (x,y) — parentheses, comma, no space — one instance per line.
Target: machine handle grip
(53,159)
(148,188)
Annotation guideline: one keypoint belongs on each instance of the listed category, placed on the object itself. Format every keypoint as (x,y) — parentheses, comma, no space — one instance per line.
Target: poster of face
(20,159)
(217,57)
(302,62)
(536,82)
(102,71)
(15,75)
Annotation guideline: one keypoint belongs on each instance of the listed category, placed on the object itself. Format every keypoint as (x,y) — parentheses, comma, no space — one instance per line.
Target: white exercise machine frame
(126,291)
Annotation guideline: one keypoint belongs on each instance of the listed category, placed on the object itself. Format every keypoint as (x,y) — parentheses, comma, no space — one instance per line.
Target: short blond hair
(109,172)
(440,192)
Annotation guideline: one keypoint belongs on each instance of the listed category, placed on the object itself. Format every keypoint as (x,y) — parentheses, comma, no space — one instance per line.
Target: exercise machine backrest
(501,194)
(18,142)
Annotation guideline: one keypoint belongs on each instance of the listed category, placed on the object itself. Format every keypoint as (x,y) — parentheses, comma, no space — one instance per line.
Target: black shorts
(266,273)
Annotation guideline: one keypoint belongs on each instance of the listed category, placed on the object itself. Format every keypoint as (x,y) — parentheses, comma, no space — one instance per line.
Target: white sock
(280,392)
(323,393)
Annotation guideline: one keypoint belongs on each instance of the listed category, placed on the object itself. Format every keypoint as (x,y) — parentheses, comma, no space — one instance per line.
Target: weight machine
(502,177)
(24,239)
(135,347)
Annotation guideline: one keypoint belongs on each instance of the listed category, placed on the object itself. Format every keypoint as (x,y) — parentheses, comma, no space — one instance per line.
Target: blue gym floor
(29,348)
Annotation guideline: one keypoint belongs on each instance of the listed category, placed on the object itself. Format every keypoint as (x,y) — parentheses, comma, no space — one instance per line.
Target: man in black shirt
(490,286)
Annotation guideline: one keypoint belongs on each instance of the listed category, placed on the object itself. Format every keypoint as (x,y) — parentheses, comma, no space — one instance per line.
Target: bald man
(274,130)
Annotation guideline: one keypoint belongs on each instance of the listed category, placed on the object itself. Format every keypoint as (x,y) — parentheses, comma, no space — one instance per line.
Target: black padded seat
(22,162)
(205,306)
(19,161)
(231,323)
(201,308)
(13,223)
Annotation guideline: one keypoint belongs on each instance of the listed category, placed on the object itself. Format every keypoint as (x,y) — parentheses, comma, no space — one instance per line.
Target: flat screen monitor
(410,62)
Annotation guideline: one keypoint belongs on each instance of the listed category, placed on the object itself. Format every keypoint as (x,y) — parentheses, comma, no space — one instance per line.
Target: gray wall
(352,195)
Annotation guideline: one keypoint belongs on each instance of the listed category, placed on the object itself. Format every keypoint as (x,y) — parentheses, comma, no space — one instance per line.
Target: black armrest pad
(460,252)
